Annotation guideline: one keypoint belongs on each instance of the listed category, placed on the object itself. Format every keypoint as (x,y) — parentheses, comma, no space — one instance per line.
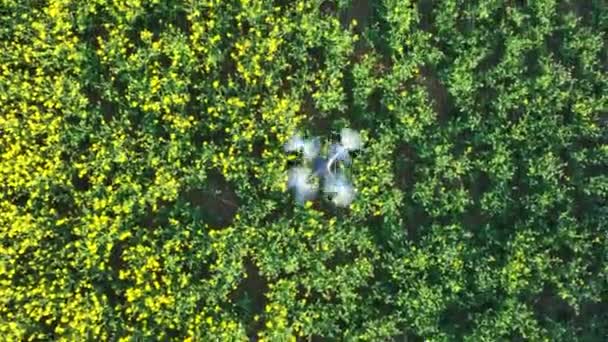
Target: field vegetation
(144,182)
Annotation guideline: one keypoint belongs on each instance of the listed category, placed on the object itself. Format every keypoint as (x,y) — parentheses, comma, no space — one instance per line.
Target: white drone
(301,178)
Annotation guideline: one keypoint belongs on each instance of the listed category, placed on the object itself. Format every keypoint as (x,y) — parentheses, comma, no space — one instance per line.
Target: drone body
(305,179)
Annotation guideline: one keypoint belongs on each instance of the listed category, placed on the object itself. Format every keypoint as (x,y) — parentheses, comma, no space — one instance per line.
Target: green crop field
(153,185)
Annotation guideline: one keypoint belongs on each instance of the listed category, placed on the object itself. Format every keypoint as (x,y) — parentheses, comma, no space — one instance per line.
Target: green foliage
(143,178)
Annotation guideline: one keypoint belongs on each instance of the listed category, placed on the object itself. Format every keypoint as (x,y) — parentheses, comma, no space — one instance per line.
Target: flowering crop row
(143,178)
